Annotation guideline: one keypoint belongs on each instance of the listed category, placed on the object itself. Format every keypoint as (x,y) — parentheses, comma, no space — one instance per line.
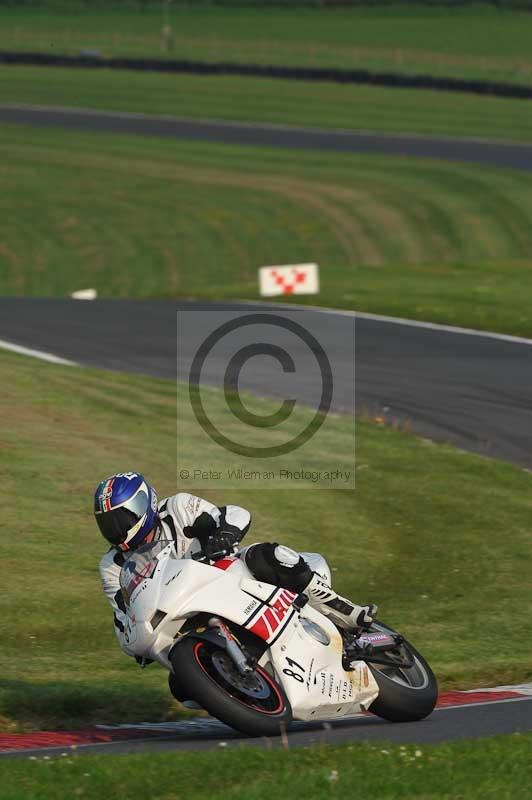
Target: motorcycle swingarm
(405,663)
(374,652)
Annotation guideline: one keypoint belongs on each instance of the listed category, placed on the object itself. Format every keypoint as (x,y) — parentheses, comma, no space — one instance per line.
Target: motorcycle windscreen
(140,566)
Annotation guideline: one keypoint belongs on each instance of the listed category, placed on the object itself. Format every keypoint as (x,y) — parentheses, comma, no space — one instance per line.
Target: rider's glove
(202,528)
(219,545)
(367,615)
(215,543)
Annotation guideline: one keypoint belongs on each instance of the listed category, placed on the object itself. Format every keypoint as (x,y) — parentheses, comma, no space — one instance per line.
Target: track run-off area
(469,388)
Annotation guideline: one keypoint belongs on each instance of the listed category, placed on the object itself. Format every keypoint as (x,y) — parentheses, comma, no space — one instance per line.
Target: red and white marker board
(289,279)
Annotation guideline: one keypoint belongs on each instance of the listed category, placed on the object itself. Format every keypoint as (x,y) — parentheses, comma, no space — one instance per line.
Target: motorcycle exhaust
(232,646)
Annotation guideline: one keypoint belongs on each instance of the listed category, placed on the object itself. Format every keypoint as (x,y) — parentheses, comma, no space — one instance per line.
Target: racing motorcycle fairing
(308,662)
(304,648)
(161,592)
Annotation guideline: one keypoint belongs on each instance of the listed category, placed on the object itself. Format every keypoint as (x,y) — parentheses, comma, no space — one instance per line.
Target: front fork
(232,647)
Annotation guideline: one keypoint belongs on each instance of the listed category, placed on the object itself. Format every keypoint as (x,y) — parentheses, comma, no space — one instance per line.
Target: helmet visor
(138,504)
(116,524)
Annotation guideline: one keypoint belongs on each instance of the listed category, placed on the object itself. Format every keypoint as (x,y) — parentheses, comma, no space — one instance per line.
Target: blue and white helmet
(125,507)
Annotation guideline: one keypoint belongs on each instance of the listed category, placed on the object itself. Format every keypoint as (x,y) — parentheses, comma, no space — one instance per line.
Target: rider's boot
(340,610)
(282,566)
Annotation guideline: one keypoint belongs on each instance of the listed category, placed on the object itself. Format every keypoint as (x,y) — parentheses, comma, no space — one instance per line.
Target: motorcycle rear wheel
(405,694)
(255,704)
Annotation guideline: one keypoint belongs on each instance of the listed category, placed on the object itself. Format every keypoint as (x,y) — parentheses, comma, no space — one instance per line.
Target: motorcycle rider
(128,515)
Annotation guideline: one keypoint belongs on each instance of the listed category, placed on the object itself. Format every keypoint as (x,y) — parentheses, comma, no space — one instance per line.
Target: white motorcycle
(257,656)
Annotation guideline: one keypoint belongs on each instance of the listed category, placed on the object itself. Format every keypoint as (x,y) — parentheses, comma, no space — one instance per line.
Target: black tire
(201,680)
(405,695)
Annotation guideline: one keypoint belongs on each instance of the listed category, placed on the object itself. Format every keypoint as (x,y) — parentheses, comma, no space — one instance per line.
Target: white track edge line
(413,323)
(484,703)
(41,354)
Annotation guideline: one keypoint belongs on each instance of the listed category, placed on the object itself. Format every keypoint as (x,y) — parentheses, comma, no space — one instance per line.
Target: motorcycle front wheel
(254,704)
(406,694)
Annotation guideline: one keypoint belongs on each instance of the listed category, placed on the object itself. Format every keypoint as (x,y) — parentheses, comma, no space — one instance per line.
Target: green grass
(475,42)
(489,769)
(142,217)
(440,539)
(325,105)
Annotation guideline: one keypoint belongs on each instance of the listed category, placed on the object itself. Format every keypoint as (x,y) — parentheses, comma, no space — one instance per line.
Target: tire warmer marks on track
(108,734)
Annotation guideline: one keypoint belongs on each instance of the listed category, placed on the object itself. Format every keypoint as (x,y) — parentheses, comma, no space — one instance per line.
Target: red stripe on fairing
(271,618)
(260,629)
(288,596)
(283,602)
(224,563)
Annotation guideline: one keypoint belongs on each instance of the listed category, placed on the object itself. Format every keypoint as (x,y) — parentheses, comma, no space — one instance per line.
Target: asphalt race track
(479,151)
(445,724)
(474,391)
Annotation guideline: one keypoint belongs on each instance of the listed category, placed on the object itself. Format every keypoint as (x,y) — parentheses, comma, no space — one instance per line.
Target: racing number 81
(290,672)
